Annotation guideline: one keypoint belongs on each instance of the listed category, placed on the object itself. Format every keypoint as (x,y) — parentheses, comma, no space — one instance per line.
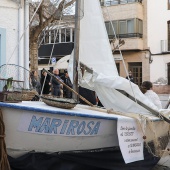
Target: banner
(130,139)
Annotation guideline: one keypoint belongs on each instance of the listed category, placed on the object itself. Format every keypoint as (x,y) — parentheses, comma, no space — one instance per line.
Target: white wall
(158,15)
(158,68)
(12,19)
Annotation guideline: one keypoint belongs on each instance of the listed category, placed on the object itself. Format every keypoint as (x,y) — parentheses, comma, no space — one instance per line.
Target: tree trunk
(34,56)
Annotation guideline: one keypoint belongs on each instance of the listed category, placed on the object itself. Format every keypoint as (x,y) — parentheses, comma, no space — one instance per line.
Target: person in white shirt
(150,94)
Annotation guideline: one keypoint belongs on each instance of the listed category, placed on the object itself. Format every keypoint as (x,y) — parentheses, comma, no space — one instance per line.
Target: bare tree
(47,13)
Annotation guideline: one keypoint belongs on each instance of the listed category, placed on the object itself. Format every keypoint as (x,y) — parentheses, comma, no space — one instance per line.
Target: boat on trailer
(128,133)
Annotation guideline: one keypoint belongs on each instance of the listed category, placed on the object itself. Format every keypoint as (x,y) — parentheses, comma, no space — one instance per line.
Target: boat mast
(76,47)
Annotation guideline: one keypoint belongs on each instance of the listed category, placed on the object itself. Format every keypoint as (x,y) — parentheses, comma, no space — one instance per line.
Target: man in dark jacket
(56,85)
(67,81)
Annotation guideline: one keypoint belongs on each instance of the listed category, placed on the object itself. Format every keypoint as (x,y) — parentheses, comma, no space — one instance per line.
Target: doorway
(136,69)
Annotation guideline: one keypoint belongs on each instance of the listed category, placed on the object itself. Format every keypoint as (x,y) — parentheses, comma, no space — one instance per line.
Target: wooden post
(76,48)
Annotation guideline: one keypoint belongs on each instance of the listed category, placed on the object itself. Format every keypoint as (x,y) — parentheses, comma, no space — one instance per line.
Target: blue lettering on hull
(64,127)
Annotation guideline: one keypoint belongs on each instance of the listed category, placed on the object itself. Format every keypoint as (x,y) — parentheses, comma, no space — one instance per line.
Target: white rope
(121,55)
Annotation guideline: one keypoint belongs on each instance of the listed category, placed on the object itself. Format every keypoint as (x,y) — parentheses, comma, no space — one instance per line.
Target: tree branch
(69,3)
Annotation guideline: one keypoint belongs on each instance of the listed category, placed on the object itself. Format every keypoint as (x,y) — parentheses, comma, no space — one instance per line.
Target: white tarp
(95,52)
(63,62)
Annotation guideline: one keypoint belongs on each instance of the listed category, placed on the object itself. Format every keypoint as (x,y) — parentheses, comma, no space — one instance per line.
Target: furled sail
(95,52)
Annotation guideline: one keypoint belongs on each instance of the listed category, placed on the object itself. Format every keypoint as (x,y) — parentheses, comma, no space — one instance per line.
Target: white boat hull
(20,141)
(29,128)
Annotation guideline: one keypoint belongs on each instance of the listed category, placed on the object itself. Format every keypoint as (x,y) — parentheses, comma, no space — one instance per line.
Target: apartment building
(144,26)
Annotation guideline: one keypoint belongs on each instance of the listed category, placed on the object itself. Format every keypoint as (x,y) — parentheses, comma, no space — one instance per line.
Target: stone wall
(161,89)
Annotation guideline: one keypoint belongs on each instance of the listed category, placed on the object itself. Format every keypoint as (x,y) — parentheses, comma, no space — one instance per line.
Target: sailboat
(128,133)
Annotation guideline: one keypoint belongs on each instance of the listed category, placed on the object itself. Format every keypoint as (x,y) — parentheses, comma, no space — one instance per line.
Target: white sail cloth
(107,88)
(95,52)
(94,46)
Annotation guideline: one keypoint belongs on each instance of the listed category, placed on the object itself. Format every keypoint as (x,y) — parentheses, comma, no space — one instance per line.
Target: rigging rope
(121,54)
(4,164)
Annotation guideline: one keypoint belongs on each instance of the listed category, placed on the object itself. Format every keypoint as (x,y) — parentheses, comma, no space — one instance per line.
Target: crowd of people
(49,85)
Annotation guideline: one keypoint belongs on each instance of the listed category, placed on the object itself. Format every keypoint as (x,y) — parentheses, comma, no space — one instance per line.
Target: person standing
(130,77)
(45,83)
(67,81)
(147,89)
(88,95)
(55,84)
(35,81)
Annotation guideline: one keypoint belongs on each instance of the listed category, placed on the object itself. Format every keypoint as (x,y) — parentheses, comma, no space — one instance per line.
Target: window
(136,69)
(168,25)
(130,26)
(68,35)
(56,36)
(2,46)
(111,30)
(122,27)
(63,35)
(139,25)
(116,2)
(168,73)
(52,36)
(168,4)
(46,37)
(123,1)
(125,28)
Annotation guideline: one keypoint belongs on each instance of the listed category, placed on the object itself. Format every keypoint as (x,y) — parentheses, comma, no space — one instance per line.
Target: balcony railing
(130,35)
(116,2)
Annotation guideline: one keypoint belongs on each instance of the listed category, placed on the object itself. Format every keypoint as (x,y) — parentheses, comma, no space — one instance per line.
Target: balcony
(165,46)
(130,44)
(117,2)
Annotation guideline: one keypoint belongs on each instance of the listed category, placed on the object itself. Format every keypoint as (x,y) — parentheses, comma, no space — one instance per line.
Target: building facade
(144,27)
(55,42)
(14,37)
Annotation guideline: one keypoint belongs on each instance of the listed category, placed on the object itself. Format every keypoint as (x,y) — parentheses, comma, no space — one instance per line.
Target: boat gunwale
(64,112)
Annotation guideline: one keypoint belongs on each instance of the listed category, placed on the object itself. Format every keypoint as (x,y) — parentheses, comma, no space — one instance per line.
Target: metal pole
(76,48)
